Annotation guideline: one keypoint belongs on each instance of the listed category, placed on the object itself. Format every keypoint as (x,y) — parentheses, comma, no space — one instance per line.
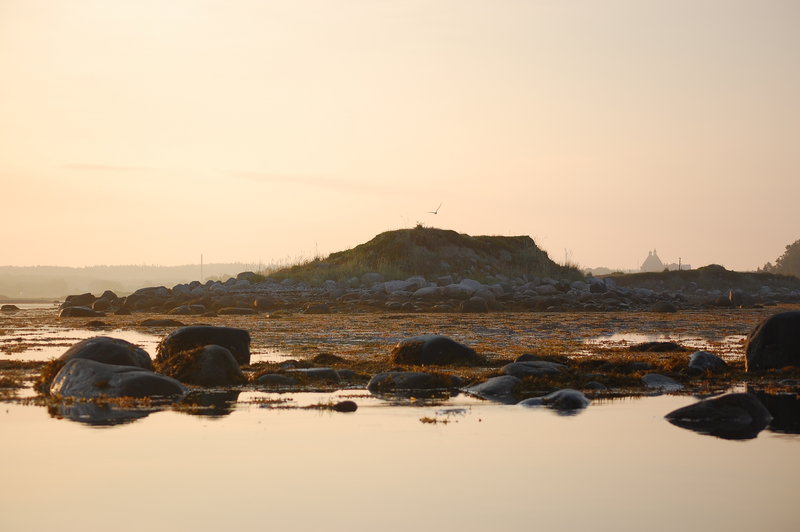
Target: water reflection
(210,403)
(785,410)
(97,414)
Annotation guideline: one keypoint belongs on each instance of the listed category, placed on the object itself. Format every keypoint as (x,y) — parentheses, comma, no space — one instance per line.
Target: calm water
(616,466)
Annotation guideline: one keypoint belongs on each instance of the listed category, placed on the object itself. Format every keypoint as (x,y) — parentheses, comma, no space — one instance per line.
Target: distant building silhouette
(652,263)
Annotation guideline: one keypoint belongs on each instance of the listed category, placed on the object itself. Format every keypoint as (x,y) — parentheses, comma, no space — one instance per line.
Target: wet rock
(661,382)
(566,399)
(657,347)
(109,351)
(345,406)
(774,343)
(79,300)
(391,381)
(88,379)
(532,368)
(210,365)
(663,307)
(434,349)
(79,312)
(475,304)
(734,416)
(501,389)
(237,341)
(277,380)
(235,311)
(702,361)
(9,308)
(156,322)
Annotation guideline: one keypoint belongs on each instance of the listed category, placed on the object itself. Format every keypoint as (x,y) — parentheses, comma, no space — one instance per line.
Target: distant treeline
(58,281)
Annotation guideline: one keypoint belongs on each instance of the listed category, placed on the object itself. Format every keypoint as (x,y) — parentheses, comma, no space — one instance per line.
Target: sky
(152,132)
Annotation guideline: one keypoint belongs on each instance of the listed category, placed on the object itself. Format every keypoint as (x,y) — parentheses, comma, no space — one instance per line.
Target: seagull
(436,211)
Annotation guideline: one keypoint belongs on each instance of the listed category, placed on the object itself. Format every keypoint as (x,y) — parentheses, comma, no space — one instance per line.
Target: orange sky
(152,132)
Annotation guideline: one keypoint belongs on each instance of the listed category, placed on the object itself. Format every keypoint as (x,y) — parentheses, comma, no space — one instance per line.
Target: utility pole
(201,267)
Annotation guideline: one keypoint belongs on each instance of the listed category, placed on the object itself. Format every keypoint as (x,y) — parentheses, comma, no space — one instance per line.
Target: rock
(397,286)
(532,368)
(475,305)
(277,380)
(89,379)
(264,303)
(81,300)
(210,365)
(237,341)
(501,389)
(457,291)
(109,351)
(327,375)
(154,322)
(181,310)
(345,406)
(595,386)
(235,311)
(546,290)
(9,308)
(657,347)
(566,399)
(434,349)
(317,308)
(79,312)
(734,416)
(250,277)
(774,343)
(391,381)
(702,361)
(370,278)
(428,292)
(664,307)
(661,382)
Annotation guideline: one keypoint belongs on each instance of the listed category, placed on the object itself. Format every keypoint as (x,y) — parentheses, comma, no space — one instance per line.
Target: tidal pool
(618,465)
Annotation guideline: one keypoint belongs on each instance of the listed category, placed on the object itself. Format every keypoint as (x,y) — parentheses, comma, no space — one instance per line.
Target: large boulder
(210,365)
(78,300)
(433,349)
(109,351)
(502,389)
(79,312)
(702,361)
(87,379)
(237,341)
(774,343)
(566,400)
(737,416)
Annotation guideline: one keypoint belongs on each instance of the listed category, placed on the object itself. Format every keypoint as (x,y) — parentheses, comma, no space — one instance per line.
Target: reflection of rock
(237,341)
(737,416)
(89,379)
(434,350)
(785,411)
(213,404)
(566,400)
(775,342)
(502,389)
(109,351)
(657,381)
(96,414)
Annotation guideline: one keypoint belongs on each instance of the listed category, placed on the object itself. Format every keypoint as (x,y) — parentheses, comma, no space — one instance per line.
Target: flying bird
(436,211)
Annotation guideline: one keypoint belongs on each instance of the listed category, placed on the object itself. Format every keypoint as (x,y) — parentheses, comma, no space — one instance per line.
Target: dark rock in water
(96,414)
(784,409)
(325,375)
(317,308)
(237,341)
(79,312)
(661,382)
(210,365)
(277,380)
(532,368)
(210,403)
(109,351)
(9,308)
(88,379)
(475,304)
(774,343)
(502,389)
(737,416)
(664,307)
(431,349)
(153,322)
(345,406)
(702,361)
(235,311)
(657,347)
(392,381)
(81,300)
(566,399)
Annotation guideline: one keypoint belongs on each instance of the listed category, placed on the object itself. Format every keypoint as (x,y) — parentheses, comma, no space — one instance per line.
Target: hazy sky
(152,131)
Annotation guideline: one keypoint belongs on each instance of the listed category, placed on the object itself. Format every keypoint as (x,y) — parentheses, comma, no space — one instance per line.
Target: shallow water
(615,466)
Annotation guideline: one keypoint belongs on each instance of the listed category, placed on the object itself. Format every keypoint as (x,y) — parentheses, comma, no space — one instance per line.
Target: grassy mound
(433,252)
